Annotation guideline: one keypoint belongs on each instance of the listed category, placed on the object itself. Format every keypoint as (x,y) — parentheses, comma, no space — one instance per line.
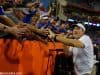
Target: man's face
(45,21)
(77,32)
(53,22)
(62,26)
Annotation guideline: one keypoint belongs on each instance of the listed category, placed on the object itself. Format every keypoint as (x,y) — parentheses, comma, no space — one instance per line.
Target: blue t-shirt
(40,25)
(27,18)
(62,30)
(54,29)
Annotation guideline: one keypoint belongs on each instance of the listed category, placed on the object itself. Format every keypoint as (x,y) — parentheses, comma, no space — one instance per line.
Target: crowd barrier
(27,57)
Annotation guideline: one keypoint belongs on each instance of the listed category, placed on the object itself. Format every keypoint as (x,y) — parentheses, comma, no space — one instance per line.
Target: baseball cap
(45,17)
(81,26)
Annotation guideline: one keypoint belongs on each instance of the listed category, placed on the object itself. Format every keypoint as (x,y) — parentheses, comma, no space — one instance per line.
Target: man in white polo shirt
(81,47)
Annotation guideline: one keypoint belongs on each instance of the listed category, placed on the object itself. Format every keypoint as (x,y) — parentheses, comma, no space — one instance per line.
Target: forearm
(3,27)
(70,42)
(49,11)
(6,28)
(31,4)
(66,50)
(7,21)
(36,30)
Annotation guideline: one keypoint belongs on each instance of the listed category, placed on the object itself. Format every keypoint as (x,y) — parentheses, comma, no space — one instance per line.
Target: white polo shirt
(83,57)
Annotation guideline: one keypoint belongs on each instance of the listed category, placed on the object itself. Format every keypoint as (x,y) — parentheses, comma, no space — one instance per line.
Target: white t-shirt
(83,57)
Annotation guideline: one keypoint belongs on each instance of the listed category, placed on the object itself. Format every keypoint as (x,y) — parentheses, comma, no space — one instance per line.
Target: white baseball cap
(81,26)
(45,17)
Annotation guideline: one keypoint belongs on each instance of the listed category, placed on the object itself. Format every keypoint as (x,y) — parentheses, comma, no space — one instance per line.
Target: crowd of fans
(21,19)
(28,21)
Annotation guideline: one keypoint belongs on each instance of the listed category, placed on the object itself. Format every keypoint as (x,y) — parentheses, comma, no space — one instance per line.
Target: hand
(51,34)
(45,31)
(17,32)
(27,28)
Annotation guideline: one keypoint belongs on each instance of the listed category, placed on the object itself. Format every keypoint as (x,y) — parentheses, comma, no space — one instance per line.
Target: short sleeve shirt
(83,57)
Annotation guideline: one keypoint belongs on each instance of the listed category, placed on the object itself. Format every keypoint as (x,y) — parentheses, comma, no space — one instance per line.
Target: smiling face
(77,32)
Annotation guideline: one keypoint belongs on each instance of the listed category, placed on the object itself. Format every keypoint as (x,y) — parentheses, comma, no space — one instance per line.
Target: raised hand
(17,32)
(51,34)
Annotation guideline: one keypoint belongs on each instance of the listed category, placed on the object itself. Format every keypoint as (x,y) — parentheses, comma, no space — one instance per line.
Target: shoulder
(85,37)
(86,40)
